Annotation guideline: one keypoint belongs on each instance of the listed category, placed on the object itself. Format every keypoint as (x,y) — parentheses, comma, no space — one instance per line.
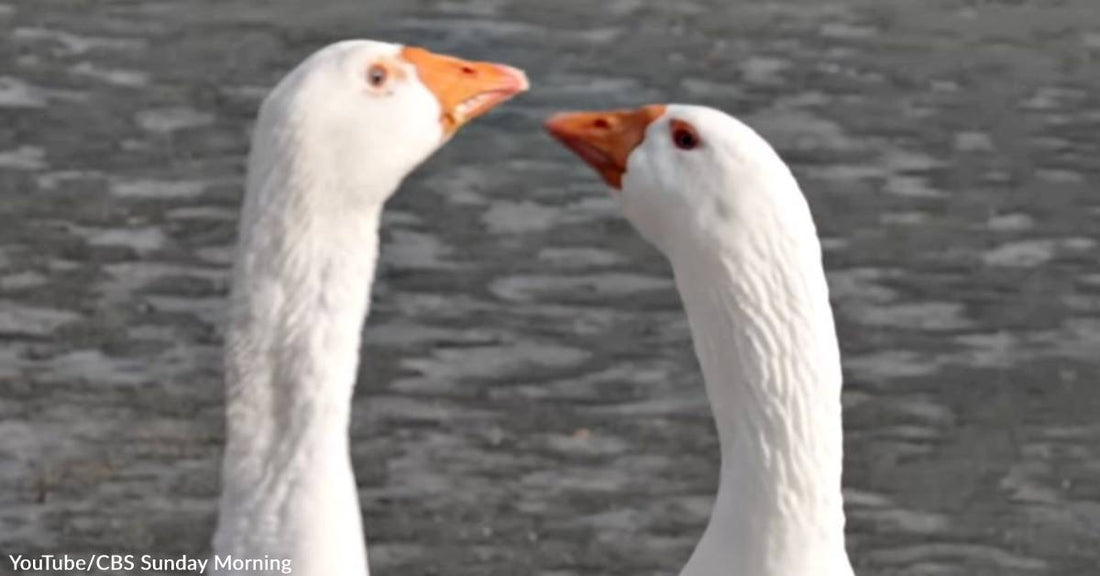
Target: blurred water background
(528,401)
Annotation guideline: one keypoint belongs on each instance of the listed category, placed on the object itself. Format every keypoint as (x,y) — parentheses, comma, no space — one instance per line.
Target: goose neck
(767,347)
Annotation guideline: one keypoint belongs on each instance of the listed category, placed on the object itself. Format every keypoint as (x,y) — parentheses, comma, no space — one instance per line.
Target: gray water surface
(529,402)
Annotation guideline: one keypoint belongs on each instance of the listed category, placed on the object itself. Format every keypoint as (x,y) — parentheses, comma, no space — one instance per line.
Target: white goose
(721,205)
(333,141)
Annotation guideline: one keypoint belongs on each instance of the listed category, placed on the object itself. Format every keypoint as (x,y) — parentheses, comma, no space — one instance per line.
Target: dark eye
(376,76)
(685,140)
(684,135)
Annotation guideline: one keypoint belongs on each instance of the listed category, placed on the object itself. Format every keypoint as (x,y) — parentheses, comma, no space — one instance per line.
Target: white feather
(324,160)
(738,232)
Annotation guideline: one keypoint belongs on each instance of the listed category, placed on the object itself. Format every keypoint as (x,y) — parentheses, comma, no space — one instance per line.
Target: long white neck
(305,264)
(764,335)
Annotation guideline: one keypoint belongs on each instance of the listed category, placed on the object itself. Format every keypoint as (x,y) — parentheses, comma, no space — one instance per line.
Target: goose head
(689,178)
(372,111)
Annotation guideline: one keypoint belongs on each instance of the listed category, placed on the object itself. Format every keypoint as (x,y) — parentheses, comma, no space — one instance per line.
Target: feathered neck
(763,331)
(305,263)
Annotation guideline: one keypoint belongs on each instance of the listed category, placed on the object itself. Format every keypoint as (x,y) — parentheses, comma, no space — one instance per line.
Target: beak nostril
(469,71)
(601,123)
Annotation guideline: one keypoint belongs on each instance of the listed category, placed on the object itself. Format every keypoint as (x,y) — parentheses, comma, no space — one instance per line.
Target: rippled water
(529,402)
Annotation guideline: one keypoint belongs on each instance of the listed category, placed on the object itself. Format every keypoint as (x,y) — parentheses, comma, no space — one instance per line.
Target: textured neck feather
(305,263)
(764,335)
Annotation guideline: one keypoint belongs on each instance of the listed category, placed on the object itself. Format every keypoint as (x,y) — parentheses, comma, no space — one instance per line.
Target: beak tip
(518,81)
(523,83)
(553,124)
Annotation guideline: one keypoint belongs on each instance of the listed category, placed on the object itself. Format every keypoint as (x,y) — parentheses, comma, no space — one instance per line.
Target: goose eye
(684,135)
(377,75)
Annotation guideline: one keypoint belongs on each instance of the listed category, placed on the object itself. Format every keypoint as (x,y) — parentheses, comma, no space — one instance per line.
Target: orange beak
(464,89)
(604,139)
